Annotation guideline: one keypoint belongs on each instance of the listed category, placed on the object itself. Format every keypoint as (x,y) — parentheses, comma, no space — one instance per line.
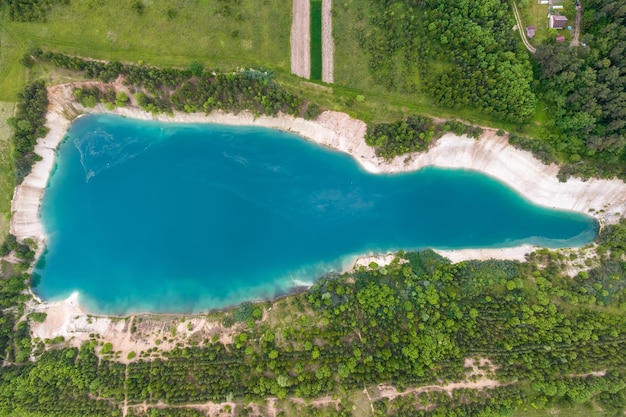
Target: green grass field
(316,40)
(221,35)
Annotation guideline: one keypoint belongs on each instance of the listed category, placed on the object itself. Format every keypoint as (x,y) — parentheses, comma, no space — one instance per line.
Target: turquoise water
(149,216)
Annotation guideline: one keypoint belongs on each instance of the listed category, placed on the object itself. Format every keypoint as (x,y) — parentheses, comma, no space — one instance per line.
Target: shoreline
(491,155)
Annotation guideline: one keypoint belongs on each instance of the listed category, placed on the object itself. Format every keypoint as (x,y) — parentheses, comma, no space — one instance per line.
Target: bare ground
(476,378)
(328,46)
(301,39)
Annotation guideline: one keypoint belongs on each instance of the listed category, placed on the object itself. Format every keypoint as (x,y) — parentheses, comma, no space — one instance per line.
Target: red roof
(560,38)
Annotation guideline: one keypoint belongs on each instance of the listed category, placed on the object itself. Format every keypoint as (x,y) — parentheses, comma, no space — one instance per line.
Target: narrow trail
(301,38)
(328,47)
(520,28)
(579,13)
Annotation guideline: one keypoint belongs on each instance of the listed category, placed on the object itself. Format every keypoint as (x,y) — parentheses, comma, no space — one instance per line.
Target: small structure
(557,21)
(560,38)
(530,31)
(544,1)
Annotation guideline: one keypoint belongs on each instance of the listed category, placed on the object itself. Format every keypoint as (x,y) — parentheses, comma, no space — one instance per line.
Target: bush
(38,317)
(312,111)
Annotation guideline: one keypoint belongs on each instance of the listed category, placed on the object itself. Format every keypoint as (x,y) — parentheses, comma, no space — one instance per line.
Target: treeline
(15,342)
(470,58)
(30,10)
(411,323)
(463,53)
(163,90)
(415,134)
(584,90)
(28,125)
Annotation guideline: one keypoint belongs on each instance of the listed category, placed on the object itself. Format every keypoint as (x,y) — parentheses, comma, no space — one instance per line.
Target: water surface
(149,216)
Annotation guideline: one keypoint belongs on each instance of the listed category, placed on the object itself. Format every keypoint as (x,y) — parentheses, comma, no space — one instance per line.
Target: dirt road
(301,38)
(328,47)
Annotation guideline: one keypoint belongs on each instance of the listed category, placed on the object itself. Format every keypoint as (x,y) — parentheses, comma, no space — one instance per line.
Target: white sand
(491,155)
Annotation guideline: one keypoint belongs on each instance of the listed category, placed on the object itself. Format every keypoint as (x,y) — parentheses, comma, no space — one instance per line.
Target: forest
(585,91)
(554,338)
(410,323)
(463,51)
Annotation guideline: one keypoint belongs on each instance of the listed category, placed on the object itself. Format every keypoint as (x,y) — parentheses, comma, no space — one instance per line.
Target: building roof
(558,21)
(560,38)
(530,31)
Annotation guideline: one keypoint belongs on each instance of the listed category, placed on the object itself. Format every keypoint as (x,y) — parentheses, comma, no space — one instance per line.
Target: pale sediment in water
(491,154)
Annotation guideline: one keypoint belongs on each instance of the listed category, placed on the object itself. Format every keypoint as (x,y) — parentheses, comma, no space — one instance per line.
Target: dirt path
(522,32)
(579,12)
(328,46)
(476,379)
(301,38)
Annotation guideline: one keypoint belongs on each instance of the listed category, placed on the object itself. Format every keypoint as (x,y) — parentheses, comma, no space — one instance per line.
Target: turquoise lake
(149,216)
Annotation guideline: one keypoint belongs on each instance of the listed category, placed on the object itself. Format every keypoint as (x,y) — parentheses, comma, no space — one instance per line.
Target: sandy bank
(491,154)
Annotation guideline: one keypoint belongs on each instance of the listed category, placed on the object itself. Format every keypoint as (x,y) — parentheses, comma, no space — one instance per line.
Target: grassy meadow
(221,35)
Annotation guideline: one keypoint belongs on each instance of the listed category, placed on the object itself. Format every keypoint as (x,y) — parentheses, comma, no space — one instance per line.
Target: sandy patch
(301,38)
(135,333)
(328,46)
(476,378)
(491,155)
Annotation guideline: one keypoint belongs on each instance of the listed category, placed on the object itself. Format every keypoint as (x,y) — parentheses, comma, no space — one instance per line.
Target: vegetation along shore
(522,331)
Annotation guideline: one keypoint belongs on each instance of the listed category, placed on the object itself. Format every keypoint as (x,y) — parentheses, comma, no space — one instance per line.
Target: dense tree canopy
(465,51)
(586,91)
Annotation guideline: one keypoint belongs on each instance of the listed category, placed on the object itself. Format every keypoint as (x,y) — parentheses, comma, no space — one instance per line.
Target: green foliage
(312,111)
(487,69)
(138,7)
(196,68)
(466,54)
(28,125)
(251,89)
(38,317)
(584,93)
(106,348)
(121,99)
(31,10)
(246,312)
(58,384)
(414,134)
(392,139)
(541,149)
(412,322)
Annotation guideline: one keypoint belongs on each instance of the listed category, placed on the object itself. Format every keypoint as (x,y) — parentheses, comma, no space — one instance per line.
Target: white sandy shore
(491,155)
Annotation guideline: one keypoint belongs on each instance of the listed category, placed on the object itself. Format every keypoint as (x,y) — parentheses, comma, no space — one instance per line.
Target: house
(544,1)
(530,31)
(558,21)
(560,38)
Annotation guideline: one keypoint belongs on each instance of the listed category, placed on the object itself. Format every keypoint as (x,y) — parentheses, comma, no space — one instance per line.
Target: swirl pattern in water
(148,216)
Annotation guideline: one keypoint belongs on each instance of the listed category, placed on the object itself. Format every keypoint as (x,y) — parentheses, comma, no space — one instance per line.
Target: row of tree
(30,10)
(28,125)
(463,53)
(585,92)
(415,134)
(410,323)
